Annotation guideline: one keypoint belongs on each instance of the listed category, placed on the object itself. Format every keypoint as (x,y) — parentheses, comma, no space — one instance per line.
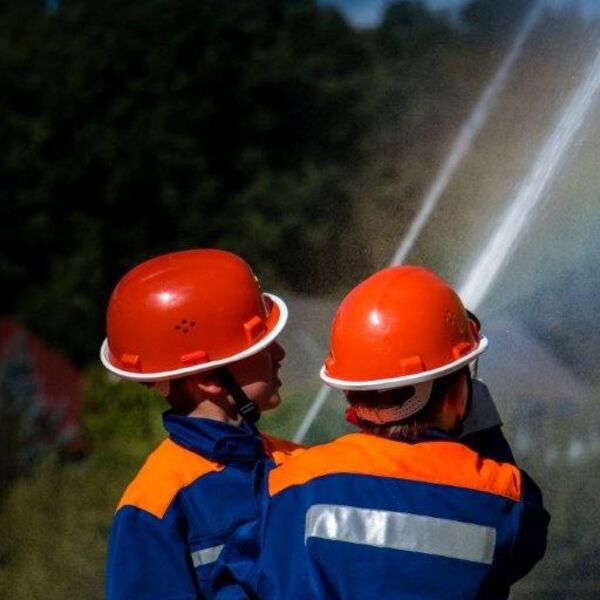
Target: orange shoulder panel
(280,450)
(438,462)
(166,471)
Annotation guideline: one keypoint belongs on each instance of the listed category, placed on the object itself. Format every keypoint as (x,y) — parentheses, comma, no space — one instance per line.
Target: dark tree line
(133,128)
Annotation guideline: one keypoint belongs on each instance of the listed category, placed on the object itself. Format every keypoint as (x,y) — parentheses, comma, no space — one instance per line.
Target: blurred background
(306,136)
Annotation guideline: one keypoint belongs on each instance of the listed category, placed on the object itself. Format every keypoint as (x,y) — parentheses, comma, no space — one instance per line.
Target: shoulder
(280,450)
(166,471)
(443,463)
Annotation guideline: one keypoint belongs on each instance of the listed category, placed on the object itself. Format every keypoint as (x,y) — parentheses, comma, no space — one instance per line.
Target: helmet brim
(207,366)
(396,382)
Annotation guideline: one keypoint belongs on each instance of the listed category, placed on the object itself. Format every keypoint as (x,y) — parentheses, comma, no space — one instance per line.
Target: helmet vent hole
(184,326)
(450,317)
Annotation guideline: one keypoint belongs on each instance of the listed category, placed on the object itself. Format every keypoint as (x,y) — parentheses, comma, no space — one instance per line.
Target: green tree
(161,125)
(493,20)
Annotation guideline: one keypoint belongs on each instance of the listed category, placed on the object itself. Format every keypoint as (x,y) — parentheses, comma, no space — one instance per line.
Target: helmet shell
(403,325)
(185,312)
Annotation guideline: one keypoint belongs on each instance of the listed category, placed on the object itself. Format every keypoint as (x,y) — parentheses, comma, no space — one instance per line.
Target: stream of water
(532,191)
(467,134)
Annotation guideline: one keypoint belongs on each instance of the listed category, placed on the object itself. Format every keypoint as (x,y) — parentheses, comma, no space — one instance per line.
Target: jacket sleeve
(148,558)
(234,576)
(530,542)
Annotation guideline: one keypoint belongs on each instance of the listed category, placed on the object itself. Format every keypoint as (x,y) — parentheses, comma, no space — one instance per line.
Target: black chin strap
(244,405)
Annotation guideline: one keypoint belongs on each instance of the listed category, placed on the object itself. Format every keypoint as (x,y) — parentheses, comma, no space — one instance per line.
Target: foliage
(135,128)
(55,522)
(267,127)
(23,429)
(140,128)
(489,18)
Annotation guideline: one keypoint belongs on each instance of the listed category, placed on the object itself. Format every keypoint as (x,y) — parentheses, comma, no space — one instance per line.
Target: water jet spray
(531,191)
(466,136)
(458,151)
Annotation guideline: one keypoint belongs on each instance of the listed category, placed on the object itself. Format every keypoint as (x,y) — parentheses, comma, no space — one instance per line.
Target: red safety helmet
(402,326)
(185,312)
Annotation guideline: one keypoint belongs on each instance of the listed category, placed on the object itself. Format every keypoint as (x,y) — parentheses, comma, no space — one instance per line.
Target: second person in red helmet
(196,326)
(404,509)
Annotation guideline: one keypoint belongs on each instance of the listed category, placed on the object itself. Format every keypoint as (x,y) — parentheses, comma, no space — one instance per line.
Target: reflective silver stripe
(401,531)
(206,556)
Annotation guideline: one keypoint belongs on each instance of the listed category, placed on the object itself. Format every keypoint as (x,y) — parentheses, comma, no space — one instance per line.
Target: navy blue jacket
(370,518)
(192,492)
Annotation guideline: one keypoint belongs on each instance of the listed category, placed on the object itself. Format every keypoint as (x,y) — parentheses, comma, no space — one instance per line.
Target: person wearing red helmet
(404,508)
(196,326)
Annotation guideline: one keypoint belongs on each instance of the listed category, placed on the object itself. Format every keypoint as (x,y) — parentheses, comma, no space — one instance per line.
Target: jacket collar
(431,434)
(214,440)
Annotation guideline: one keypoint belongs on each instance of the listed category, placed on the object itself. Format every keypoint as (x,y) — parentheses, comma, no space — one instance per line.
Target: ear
(208,383)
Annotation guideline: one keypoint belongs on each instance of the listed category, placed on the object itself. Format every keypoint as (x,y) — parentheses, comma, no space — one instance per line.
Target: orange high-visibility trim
(437,462)
(280,450)
(166,471)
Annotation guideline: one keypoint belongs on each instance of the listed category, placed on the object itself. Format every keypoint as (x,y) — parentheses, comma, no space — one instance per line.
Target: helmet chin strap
(244,405)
